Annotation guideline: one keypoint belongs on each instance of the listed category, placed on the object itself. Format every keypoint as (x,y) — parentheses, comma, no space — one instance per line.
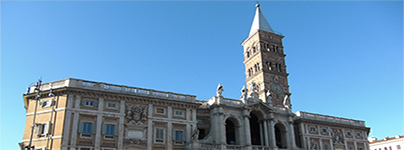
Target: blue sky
(345,58)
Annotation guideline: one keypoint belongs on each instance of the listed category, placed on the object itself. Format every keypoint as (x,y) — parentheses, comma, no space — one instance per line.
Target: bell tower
(264,61)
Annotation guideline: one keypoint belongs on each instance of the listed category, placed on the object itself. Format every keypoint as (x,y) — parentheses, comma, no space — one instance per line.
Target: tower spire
(259,22)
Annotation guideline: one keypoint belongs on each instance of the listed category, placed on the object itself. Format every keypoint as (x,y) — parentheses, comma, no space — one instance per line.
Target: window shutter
(47,128)
(95,103)
(83,102)
(93,130)
(52,102)
(103,128)
(38,130)
(116,130)
(81,124)
(173,135)
(184,138)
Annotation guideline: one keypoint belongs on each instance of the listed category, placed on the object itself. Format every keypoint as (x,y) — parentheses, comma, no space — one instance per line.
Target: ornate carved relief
(136,114)
(337,136)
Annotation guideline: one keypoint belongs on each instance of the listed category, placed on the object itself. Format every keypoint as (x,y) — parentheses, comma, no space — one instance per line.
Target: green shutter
(83,102)
(47,128)
(103,128)
(116,130)
(81,124)
(93,128)
(184,138)
(38,130)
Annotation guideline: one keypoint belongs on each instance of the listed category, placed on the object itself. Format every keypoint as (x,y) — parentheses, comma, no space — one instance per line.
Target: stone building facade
(387,143)
(74,114)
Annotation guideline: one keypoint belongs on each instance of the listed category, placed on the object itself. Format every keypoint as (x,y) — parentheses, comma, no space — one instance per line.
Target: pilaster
(67,123)
(247,136)
(121,125)
(150,128)
(272,138)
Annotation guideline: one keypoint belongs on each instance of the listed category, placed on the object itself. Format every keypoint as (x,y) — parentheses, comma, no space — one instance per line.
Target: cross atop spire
(259,22)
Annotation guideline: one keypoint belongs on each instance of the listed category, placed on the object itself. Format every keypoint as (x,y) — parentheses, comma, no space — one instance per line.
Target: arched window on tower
(268,65)
(267,47)
(278,67)
(276,49)
(257,67)
(250,72)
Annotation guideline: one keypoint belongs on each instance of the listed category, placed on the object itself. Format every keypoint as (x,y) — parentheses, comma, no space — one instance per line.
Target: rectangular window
(326,147)
(160,111)
(178,137)
(89,103)
(109,129)
(111,105)
(179,113)
(312,129)
(42,129)
(87,127)
(398,146)
(47,103)
(159,135)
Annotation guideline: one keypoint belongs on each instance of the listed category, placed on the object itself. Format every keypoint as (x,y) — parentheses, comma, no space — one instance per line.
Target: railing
(326,118)
(210,146)
(232,102)
(113,88)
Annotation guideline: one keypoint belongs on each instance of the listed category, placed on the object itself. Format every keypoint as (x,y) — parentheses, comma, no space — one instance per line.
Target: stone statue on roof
(219,90)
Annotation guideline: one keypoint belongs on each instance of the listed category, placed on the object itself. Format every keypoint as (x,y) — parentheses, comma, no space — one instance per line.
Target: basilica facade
(75,114)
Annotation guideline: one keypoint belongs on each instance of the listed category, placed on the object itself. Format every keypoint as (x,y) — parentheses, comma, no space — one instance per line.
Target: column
(345,139)
(291,134)
(365,146)
(266,133)
(99,124)
(222,127)
(188,132)
(302,135)
(169,128)
(308,143)
(169,135)
(272,141)
(73,138)
(121,125)
(355,146)
(188,126)
(67,122)
(331,145)
(320,142)
(247,127)
(150,128)
(98,132)
(260,124)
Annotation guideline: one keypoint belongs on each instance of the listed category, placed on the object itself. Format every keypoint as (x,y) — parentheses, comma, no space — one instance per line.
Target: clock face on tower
(276,88)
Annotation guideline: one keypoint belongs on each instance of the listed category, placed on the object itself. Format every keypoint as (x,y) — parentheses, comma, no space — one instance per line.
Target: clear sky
(345,58)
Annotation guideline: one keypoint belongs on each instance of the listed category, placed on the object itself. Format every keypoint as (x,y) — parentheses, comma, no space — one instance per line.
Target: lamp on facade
(37,91)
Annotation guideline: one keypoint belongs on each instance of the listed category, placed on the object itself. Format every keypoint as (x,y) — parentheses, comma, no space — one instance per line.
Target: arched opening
(255,130)
(280,135)
(230,132)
